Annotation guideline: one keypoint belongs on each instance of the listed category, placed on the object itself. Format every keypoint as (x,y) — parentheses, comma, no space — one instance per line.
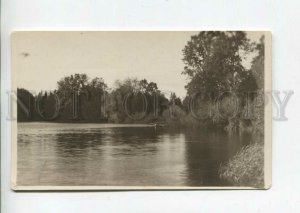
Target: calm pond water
(121,155)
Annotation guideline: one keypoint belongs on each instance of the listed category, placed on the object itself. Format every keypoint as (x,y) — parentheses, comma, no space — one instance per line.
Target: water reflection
(99,154)
(205,152)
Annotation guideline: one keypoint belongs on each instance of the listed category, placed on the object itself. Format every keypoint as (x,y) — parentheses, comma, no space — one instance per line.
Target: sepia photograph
(141,110)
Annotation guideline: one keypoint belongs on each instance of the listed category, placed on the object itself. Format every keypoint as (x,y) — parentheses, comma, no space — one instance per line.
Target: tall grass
(246,168)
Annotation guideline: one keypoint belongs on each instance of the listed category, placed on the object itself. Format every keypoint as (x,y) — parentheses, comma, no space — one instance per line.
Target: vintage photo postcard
(139,110)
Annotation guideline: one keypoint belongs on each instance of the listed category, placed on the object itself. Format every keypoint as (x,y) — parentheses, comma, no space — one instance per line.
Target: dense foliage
(79,99)
(246,168)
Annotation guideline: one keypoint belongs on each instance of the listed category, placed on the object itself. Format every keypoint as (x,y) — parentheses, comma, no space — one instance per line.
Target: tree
(257,67)
(213,61)
(89,97)
(137,98)
(47,106)
(175,100)
(25,105)
(213,64)
(97,84)
(72,83)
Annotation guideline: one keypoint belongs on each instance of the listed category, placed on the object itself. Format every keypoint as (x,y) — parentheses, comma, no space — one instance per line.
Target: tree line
(80,99)
(213,66)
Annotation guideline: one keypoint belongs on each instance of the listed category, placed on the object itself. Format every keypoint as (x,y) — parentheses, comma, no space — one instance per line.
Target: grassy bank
(246,168)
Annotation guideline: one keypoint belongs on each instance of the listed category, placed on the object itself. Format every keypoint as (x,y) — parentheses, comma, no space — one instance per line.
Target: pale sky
(40,59)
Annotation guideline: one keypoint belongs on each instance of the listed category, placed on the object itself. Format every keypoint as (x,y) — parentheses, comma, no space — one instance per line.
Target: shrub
(246,168)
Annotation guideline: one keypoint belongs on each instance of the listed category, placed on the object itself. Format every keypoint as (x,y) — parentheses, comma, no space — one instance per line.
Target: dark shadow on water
(205,151)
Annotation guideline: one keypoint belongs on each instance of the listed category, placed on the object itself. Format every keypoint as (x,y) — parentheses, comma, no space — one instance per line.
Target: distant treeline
(79,99)
(213,65)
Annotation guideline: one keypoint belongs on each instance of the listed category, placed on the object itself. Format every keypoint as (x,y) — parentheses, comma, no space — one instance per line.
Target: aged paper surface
(135,110)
